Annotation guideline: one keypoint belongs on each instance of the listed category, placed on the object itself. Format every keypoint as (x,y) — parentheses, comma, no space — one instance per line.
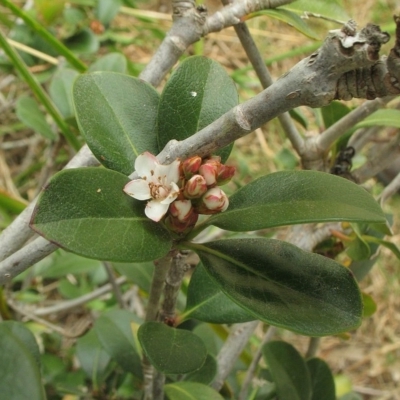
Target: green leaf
(323,385)
(333,113)
(28,112)
(117,116)
(358,249)
(170,350)
(19,371)
(384,117)
(106,10)
(83,42)
(370,306)
(190,391)
(198,93)
(92,357)
(283,285)
(206,373)
(326,8)
(389,245)
(114,62)
(19,331)
(297,197)
(290,18)
(140,274)
(10,203)
(114,332)
(206,302)
(289,371)
(61,91)
(85,211)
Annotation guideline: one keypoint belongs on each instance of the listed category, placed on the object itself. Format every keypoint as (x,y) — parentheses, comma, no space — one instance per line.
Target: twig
(390,190)
(68,304)
(254,363)
(230,351)
(115,287)
(313,345)
(33,52)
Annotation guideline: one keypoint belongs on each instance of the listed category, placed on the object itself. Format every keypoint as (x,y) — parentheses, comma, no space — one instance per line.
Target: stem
(313,345)
(38,28)
(253,366)
(116,289)
(38,91)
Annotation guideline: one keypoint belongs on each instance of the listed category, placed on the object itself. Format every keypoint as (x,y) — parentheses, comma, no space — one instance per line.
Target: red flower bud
(213,201)
(210,173)
(225,174)
(181,209)
(191,166)
(195,187)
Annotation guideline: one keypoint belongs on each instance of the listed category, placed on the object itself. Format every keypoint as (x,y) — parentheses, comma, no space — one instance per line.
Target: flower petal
(155,210)
(145,164)
(172,195)
(168,173)
(138,188)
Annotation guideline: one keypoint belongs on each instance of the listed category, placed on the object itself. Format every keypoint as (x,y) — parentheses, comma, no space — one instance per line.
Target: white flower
(156,182)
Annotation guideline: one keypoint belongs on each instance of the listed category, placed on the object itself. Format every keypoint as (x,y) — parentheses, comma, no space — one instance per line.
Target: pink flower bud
(210,173)
(195,187)
(181,209)
(225,174)
(191,166)
(180,227)
(213,201)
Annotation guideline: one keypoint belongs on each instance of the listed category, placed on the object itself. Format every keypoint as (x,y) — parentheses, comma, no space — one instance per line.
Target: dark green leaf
(61,91)
(206,373)
(114,332)
(170,350)
(19,331)
(114,62)
(290,18)
(92,357)
(85,211)
(289,371)
(206,302)
(117,116)
(28,112)
(283,285)
(83,42)
(296,197)
(198,93)
(334,112)
(190,391)
(323,385)
(19,372)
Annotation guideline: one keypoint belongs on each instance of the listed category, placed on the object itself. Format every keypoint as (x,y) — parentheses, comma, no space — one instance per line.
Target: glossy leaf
(206,302)
(170,350)
(283,285)
(290,18)
(113,330)
(327,8)
(297,197)
(289,371)
(198,93)
(114,62)
(384,117)
(61,91)
(19,372)
(28,112)
(117,116)
(190,391)
(206,373)
(85,211)
(323,385)
(92,357)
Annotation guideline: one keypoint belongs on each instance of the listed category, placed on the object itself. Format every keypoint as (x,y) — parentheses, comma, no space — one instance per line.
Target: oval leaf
(117,116)
(297,197)
(28,112)
(206,373)
(385,117)
(190,391)
(115,62)
(198,93)
(206,302)
(170,350)
(61,91)
(283,285)
(114,332)
(323,385)
(19,372)
(85,211)
(288,370)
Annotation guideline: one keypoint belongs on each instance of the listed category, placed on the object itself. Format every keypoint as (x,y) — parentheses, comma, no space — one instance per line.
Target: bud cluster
(200,193)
